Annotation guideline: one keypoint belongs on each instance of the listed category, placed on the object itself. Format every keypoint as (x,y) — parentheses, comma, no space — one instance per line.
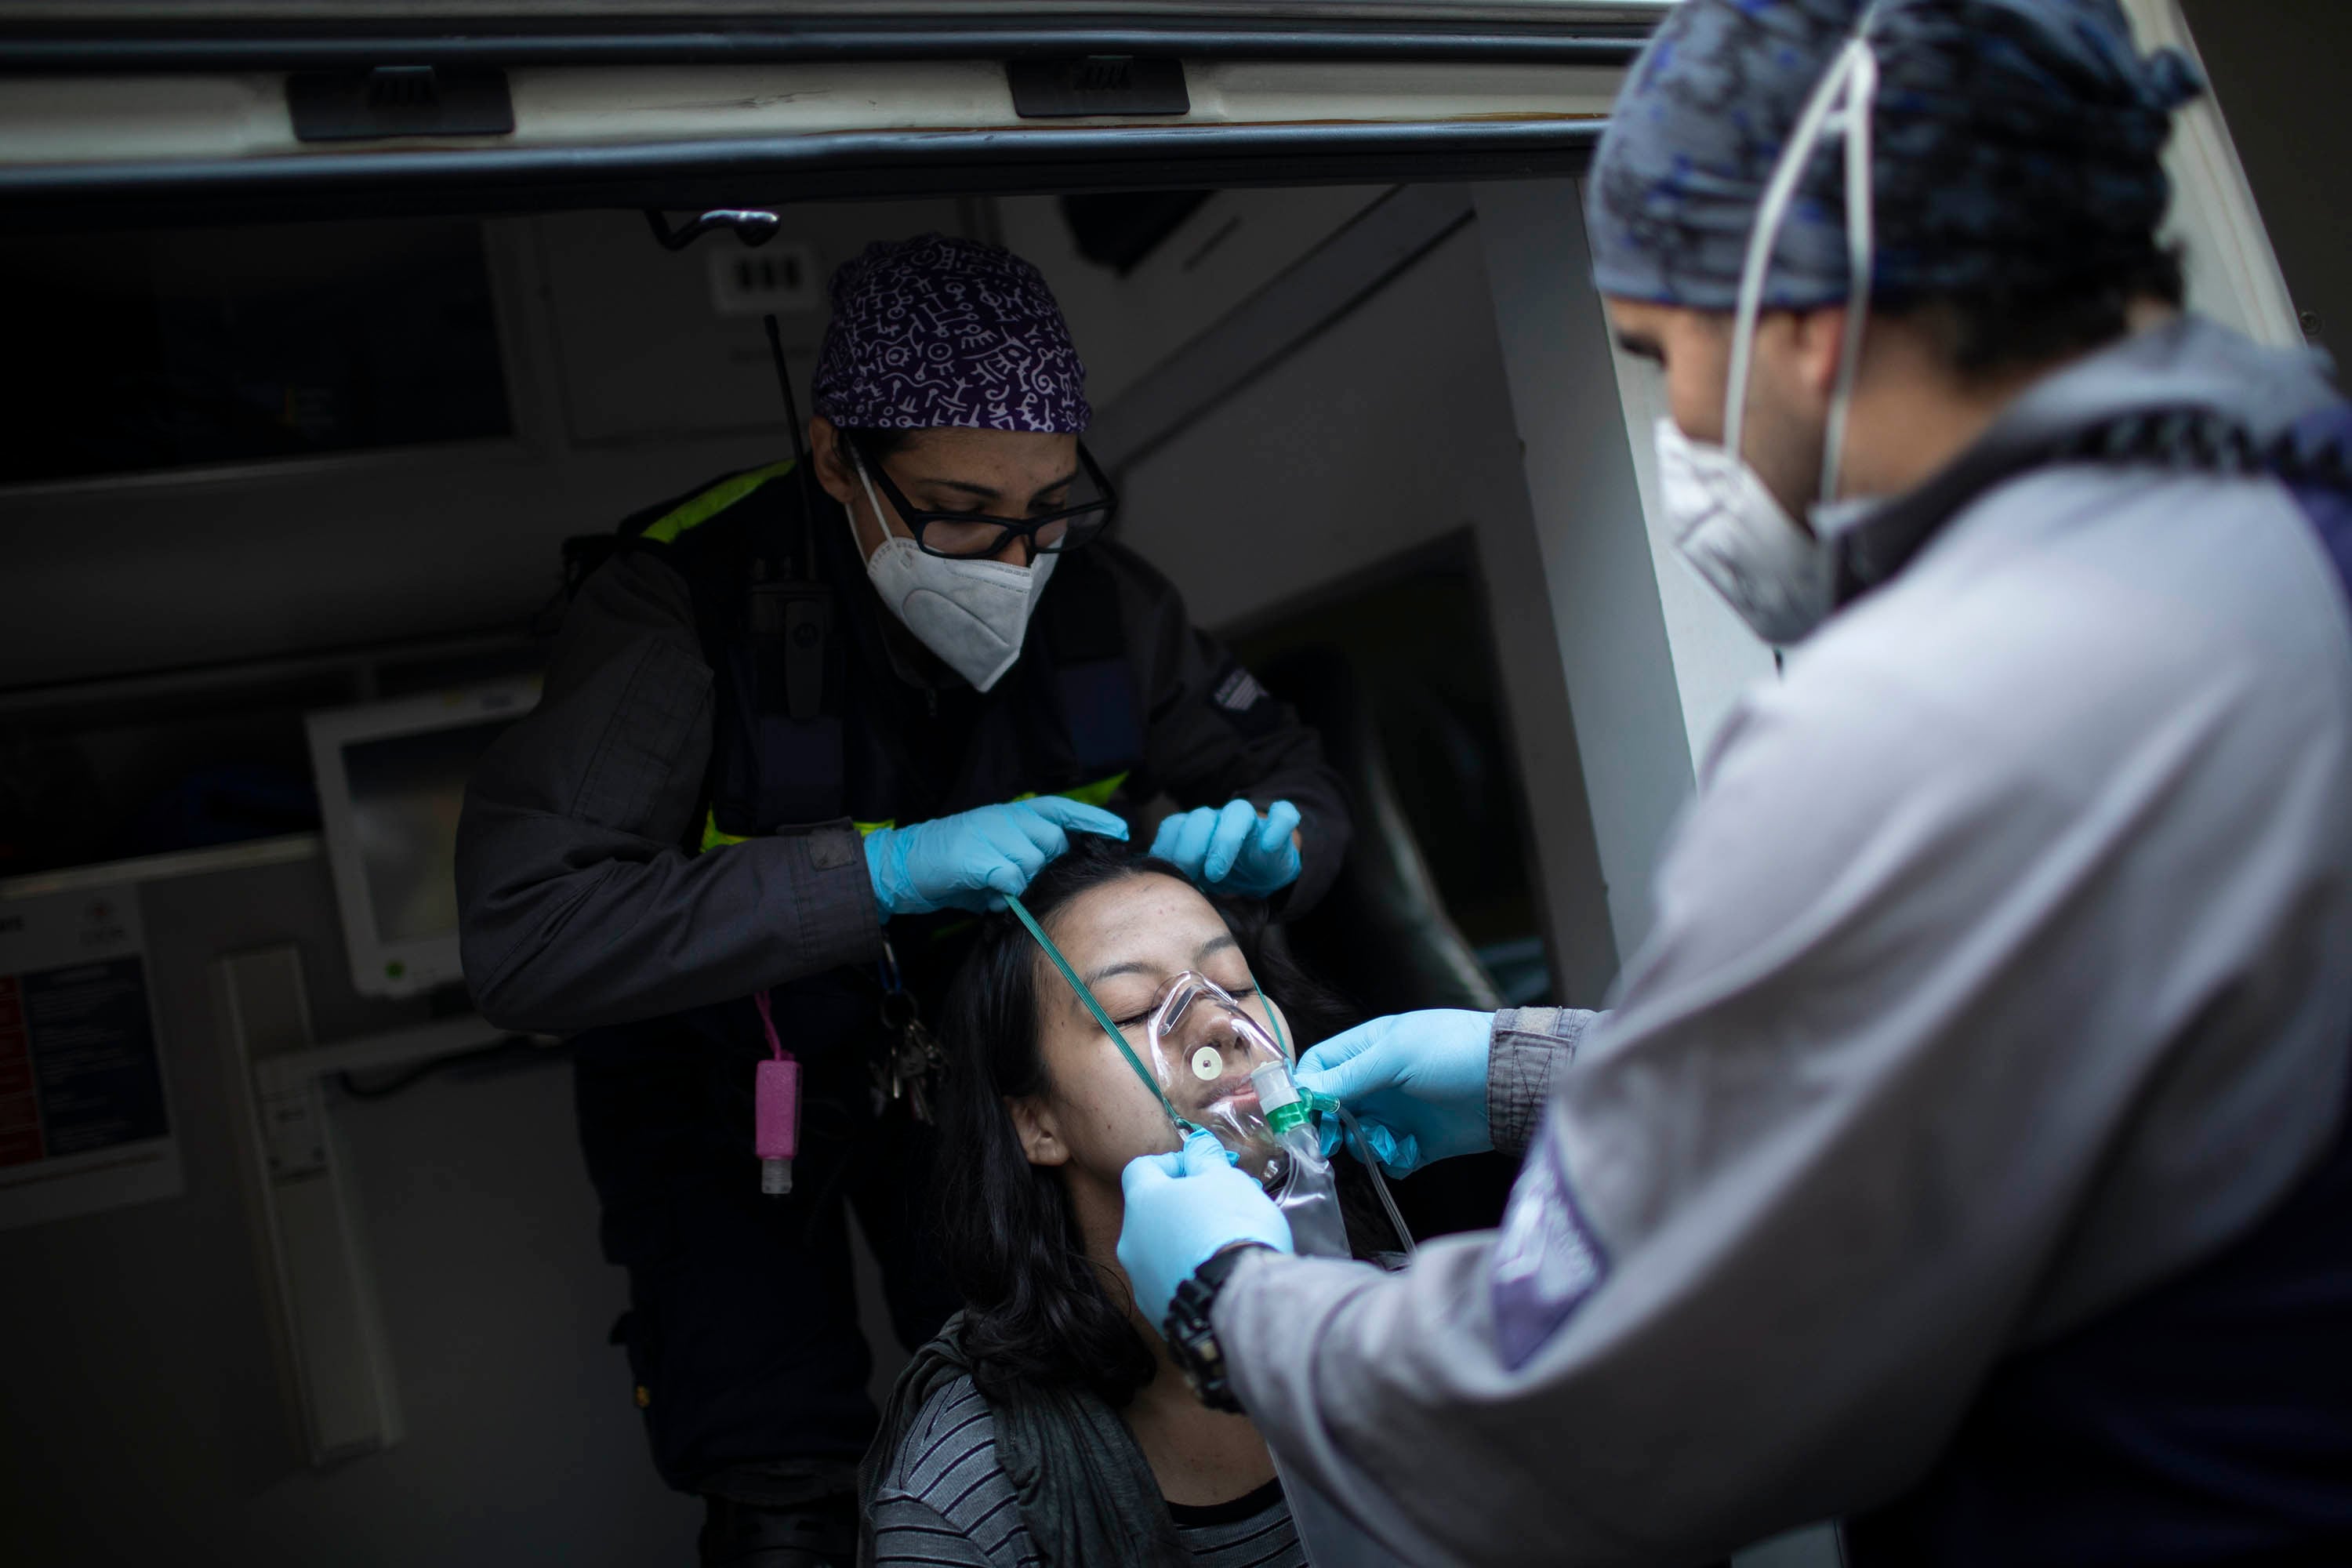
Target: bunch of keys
(911,1053)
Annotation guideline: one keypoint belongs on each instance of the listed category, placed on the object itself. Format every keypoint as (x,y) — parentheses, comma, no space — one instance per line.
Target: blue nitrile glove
(1415,1081)
(1399,1156)
(1232,849)
(971,860)
(1185,1209)
(1381,1144)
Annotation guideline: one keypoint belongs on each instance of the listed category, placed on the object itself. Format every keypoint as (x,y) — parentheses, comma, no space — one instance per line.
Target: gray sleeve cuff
(1530,1046)
(836,919)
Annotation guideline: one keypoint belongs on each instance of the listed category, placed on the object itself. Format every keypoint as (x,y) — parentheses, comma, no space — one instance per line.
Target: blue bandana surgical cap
(2018,145)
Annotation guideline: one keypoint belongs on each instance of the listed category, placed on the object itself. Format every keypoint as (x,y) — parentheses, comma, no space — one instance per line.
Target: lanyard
(1184,1128)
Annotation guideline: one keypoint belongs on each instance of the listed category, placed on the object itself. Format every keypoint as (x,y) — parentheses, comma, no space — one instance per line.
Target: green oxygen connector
(1318,1105)
(1279,1097)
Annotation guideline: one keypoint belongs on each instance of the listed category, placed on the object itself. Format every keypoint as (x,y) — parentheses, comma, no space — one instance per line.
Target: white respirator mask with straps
(1725,520)
(972,613)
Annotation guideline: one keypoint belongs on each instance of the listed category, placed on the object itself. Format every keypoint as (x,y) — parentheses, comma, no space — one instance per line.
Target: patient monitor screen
(406,791)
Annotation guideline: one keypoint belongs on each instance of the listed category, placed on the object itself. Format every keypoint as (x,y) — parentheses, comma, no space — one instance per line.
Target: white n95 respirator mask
(1724,520)
(1733,532)
(972,613)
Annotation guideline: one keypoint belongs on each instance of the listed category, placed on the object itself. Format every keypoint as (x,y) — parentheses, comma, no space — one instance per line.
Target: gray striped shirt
(946,1500)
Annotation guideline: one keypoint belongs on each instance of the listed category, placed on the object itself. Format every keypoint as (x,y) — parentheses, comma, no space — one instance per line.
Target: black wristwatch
(1192,1338)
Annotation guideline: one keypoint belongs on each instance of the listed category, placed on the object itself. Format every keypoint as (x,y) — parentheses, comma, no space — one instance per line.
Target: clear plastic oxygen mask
(1218,1068)
(1214,1067)
(1204,1047)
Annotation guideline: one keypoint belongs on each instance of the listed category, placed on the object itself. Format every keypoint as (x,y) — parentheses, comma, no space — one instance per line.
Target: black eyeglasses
(972,535)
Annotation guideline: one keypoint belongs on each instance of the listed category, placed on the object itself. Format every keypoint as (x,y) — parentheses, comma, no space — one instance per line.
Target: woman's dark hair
(1035,1309)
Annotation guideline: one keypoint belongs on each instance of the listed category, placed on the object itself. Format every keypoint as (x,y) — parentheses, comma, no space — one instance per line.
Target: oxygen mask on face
(1218,1067)
(1212,1064)
(1203,1048)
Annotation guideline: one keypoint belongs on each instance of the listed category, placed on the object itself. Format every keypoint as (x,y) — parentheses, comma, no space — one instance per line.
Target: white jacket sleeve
(1914,1007)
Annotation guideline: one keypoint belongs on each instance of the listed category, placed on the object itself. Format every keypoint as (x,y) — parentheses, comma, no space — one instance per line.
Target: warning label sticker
(84,1123)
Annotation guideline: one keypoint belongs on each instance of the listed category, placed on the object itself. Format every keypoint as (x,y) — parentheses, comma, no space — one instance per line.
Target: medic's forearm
(1530,1048)
(1383,1393)
(577,905)
(1388,1394)
(589,928)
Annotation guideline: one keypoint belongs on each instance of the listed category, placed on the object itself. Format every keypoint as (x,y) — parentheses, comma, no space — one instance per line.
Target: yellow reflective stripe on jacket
(1097,793)
(666,529)
(712,838)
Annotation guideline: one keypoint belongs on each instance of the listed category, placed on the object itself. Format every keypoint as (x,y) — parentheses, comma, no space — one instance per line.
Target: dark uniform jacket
(586,900)
(675,827)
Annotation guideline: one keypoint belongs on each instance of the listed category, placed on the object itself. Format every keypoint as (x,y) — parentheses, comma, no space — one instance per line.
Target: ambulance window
(171,348)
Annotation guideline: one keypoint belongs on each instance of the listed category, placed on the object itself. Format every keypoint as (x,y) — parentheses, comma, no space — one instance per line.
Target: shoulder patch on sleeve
(1546,1260)
(1239,691)
(1241,701)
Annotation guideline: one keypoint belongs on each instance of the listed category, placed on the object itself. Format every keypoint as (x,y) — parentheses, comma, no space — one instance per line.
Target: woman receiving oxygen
(1046,1420)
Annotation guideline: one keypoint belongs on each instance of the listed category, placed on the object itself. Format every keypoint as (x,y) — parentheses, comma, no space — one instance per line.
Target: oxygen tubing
(1320,1103)
(1379,1183)
(1183,1128)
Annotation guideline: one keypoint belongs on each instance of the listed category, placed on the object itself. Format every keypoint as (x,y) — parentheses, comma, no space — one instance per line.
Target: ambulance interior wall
(143,1416)
(625,386)
(143,1419)
(2279,70)
(1393,429)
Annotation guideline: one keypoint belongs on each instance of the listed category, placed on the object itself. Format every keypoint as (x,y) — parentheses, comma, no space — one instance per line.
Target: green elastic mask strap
(1184,1128)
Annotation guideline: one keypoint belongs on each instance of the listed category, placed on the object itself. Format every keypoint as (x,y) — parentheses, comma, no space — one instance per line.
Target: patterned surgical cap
(2018,143)
(936,331)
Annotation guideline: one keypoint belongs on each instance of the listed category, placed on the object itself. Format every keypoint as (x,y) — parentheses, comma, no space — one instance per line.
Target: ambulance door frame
(1656,661)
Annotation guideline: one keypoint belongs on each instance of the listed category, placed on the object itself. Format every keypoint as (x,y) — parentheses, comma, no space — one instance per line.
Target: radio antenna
(800,448)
